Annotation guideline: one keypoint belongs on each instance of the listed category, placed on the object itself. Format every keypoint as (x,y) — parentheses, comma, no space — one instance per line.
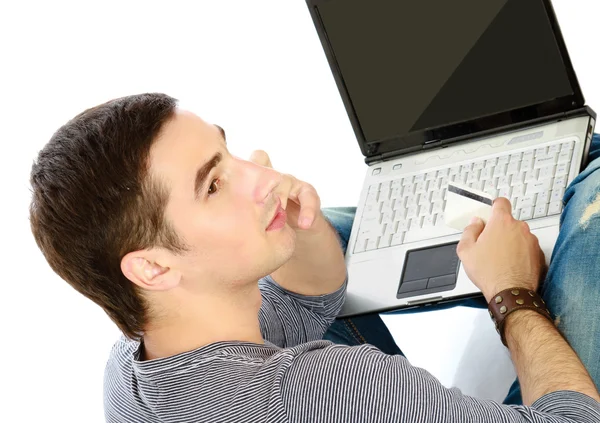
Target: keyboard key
(540,210)
(428,221)
(403,225)
(372,244)
(455,170)
(411,211)
(399,215)
(407,180)
(531,176)
(518,190)
(385,206)
(518,179)
(487,173)
(526,213)
(560,182)
(415,224)
(408,189)
(373,188)
(542,151)
(503,160)
(515,158)
(386,185)
(526,201)
(557,194)
(443,173)
(419,178)
(396,193)
(500,170)
(562,169)
(555,207)
(491,162)
(397,183)
(478,185)
(466,167)
(438,207)
(361,245)
(478,165)
(390,228)
(372,198)
(411,199)
(384,194)
(504,192)
(565,156)
(436,197)
(425,209)
(546,172)
(384,241)
(565,146)
(421,187)
(513,167)
(387,217)
(554,148)
(543,198)
(546,160)
(538,186)
(397,238)
(527,164)
(430,176)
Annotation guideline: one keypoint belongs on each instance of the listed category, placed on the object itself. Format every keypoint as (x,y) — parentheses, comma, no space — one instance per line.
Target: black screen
(411,65)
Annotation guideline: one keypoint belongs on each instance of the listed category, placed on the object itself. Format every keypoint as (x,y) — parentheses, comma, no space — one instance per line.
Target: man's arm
(317,266)
(544,360)
(504,254)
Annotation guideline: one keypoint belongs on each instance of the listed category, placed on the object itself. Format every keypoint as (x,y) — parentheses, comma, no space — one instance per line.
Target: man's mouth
(279,219)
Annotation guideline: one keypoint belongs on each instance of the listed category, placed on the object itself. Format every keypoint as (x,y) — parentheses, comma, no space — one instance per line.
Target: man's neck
(196,322)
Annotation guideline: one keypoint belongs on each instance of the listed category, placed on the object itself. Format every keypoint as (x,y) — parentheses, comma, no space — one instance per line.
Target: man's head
(135,198)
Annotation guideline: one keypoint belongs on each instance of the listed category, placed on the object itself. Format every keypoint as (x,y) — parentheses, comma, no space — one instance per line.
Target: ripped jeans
(571,288)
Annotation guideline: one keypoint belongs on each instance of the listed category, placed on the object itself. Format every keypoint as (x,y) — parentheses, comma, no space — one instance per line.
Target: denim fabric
(571,288)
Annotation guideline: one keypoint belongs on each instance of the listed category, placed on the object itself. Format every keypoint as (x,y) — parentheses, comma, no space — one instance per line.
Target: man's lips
(279,218)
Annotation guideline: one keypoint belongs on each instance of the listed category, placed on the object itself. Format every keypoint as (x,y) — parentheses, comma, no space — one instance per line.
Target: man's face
(220,206)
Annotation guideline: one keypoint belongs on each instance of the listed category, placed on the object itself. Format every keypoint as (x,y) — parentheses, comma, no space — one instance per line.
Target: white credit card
(463,203)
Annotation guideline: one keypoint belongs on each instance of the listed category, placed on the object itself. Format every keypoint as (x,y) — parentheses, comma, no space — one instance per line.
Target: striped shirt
(297,377)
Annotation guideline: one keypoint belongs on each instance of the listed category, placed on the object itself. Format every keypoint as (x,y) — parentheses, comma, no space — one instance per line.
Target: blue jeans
(571,288)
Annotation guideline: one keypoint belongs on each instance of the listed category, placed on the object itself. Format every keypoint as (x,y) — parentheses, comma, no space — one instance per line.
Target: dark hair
(94,201)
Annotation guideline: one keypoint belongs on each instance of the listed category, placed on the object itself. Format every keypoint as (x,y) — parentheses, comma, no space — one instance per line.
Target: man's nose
(259,181)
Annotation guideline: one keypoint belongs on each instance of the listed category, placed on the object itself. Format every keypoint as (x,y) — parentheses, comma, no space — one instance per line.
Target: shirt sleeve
(288,319)
(361,384)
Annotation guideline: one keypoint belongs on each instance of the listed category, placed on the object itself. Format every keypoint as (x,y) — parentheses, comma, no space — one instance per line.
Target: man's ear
(142,268)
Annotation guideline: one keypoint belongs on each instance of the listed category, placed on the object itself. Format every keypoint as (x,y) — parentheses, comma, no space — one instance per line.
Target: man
(140,207)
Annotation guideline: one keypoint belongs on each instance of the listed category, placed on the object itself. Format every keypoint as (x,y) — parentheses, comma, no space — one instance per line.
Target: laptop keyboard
(411,208)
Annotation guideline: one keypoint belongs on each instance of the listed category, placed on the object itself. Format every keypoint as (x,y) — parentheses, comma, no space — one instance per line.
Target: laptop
(479,93)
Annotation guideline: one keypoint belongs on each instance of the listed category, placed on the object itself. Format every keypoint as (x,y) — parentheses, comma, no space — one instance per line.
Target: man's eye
(214,186)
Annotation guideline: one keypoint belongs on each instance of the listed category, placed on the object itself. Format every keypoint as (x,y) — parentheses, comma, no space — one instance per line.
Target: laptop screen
(422,64)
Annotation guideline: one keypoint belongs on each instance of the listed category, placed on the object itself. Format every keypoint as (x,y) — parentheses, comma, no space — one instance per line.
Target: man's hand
(305,206)
(317,265)
(501,255)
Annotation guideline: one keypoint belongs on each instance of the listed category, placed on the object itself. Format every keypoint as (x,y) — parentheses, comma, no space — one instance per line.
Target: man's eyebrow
(222,133)
(204,170)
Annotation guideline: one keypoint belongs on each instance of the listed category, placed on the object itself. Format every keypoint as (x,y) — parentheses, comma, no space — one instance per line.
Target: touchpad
(429,270)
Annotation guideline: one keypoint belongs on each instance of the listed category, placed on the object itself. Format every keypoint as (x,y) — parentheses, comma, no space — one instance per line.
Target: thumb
(470,234)
(261,158)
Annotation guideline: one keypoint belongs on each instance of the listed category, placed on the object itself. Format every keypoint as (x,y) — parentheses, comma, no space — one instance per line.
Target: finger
(470,235)
(501,207)
(310,203)
(284,189)
(261,158)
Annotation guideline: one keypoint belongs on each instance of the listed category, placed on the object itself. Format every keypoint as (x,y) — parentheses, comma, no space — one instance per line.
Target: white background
(255,68)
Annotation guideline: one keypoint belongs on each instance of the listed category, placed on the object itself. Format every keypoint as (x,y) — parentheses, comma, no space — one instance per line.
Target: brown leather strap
(509,300)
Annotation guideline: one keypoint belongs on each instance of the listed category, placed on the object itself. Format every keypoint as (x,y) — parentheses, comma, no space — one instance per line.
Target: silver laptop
(477,92)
